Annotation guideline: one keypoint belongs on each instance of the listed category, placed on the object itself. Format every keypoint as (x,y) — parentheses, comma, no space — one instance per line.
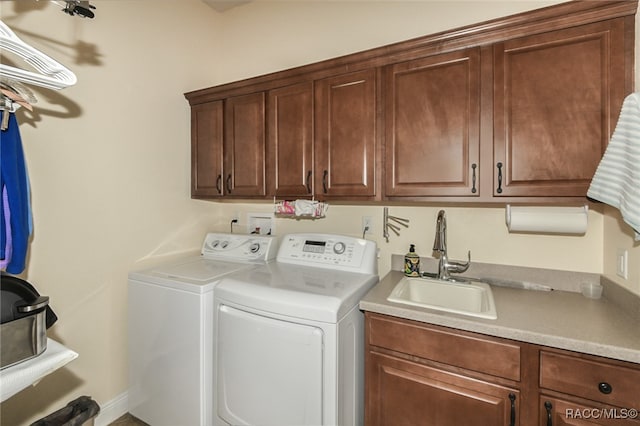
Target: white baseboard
(112,410)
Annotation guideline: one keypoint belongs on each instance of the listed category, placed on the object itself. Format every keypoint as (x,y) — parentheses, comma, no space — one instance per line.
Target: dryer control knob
(254,248)
(224,244)
(339,248)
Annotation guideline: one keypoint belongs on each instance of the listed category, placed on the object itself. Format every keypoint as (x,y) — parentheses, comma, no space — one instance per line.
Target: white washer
(171,329)
(290,336)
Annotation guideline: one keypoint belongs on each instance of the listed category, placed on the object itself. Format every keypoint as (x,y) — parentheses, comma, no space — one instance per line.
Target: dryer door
(269,371)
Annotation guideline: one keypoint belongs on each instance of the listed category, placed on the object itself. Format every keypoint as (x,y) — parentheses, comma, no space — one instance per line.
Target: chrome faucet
(445,266)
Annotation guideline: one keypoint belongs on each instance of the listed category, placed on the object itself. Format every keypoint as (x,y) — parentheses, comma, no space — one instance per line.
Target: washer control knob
(215,243)
(254,248)
(339,247)
(224,244)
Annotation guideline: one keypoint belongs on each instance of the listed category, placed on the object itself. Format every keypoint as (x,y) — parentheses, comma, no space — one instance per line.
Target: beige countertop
(561,319)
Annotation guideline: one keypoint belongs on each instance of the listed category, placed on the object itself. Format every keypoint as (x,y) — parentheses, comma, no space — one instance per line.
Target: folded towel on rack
(301,208)
(617,178)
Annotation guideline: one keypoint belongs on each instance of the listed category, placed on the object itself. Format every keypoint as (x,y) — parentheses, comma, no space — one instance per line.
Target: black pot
(19,299)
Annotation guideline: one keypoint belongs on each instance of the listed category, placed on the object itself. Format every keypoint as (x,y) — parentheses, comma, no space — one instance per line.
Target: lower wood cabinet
(422,374)
(418,374)
(578,390)
(555,411)
(408,393)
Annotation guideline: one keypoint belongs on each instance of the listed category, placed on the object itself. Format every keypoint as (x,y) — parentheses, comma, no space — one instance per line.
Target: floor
(128,420)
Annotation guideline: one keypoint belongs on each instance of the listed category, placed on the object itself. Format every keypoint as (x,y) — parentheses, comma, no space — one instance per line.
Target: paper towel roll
(547,220)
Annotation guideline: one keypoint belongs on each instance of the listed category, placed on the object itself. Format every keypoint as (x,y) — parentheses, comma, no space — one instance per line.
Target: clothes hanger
(53,74)
(17,92)
(13,95)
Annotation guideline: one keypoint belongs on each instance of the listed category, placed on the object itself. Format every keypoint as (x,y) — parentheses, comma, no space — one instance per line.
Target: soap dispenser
(412,262)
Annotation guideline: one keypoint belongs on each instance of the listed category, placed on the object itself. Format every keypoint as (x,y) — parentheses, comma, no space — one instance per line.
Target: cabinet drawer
(482,354)
(585,378)
(559,412)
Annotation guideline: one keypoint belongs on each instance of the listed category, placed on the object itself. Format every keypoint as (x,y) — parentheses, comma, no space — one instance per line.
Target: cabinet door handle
(605,388)
(499,190)
(218,183)
(512,398)
(473,178)
(548,407)
(229,184)
(325,174)
(309,182)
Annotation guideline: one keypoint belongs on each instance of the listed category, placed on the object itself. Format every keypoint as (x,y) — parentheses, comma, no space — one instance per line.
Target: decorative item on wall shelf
(301,209)
(395,228)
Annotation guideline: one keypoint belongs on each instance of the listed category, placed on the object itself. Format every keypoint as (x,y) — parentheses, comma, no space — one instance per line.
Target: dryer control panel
(329,251)
(237,247)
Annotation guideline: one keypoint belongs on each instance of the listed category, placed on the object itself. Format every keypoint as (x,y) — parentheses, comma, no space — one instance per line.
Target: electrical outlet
(367,225)
(622,263)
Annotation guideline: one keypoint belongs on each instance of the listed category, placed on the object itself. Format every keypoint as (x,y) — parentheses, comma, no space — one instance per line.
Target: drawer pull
(308,182)
(218,183)
(473,178)
(512,397)
(325,175)
(605,388)
(548,407)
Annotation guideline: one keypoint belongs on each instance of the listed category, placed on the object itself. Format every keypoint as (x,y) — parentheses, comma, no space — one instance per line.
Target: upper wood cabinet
(345,135)
(432,122)
(206,150)
(557,96)
(290,156)
(244,145)
(227,147)
(322,138)
(518,109)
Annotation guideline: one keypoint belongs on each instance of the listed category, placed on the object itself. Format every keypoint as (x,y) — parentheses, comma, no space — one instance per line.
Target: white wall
(109,164)
(617,234)
(109,157)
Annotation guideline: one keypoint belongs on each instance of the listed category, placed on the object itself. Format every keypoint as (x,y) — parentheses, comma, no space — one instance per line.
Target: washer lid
(297,291)
(197,275)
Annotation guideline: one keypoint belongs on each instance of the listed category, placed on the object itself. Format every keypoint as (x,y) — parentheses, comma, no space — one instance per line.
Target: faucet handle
(458,267)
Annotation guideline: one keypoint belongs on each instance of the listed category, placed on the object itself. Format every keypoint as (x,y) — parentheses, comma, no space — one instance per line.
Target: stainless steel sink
(470,298)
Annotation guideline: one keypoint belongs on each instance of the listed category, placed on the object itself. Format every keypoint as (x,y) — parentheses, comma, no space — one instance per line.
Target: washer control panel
(249,248)
(329,251)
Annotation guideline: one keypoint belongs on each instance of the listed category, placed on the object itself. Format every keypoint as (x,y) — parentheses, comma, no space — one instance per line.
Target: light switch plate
(621,263)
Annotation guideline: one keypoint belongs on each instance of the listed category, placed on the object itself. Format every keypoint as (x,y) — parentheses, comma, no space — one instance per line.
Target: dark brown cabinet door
(345,135)
(290,141)
(401,392)
(432,125)
(206,150)
(556,100)
(244,145)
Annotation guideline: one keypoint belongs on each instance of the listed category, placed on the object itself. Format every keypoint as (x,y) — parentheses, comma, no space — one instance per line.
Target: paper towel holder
(547,220)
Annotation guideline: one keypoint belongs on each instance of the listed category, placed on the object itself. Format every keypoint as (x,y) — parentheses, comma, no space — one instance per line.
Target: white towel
(617,179)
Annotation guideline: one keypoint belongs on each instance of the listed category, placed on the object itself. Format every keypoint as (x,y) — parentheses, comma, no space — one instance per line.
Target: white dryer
(171,329)
(290,336)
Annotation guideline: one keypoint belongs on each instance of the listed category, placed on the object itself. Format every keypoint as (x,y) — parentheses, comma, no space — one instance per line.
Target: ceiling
(223,5)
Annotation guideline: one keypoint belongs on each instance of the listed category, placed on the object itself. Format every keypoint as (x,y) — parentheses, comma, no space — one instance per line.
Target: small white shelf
(18,377)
